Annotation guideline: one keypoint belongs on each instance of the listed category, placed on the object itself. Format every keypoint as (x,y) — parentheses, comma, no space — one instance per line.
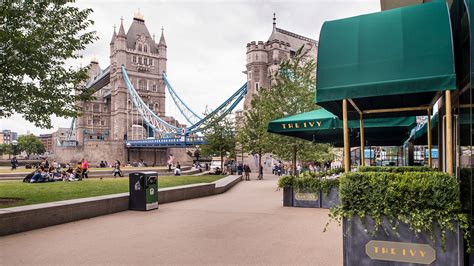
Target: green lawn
(33,193)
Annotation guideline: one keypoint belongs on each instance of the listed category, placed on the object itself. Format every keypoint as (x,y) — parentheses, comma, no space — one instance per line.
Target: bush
(395,169)
(419,199)
(286,181)
(311,181)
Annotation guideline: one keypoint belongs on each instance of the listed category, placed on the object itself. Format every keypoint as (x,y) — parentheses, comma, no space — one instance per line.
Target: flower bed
(389,214)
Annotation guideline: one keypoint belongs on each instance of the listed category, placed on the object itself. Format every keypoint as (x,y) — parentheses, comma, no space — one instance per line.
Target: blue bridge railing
(165,142)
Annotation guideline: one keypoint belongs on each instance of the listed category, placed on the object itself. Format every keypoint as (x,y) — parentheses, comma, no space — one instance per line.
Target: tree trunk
(222,162)
(295,150)
(260,175)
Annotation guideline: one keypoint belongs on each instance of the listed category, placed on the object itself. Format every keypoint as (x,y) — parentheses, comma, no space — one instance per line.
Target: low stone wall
(25,218)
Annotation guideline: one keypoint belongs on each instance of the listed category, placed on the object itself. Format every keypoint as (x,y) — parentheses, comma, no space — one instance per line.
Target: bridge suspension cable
(184,109)
(151,119)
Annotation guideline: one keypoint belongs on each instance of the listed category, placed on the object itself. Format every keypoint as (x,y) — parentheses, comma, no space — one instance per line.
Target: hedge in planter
(310,190)
(423,201)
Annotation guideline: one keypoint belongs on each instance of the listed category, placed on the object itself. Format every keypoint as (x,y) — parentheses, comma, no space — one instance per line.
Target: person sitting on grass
(78,171)
(40,175)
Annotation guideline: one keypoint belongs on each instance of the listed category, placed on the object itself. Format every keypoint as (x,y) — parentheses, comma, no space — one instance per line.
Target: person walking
(14,163)
(260,173)
(117,170)
(85,168)
(247,172)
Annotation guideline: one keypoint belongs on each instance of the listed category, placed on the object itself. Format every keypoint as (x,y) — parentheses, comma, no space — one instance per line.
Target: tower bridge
(127,119)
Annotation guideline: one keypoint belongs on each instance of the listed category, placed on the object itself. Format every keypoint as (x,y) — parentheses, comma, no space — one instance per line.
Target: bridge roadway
(245,225)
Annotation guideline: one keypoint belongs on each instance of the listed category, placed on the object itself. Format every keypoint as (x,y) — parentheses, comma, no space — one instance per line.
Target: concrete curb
(24,218)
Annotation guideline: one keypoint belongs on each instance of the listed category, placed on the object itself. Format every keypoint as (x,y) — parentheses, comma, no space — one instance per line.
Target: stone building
(263,58)
(110,118)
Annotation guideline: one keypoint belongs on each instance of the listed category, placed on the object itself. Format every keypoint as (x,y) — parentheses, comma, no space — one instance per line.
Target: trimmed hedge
(395,169)
(312,181)
(419,199)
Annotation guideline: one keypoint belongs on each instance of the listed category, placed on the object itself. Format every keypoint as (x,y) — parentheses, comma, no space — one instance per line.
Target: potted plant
(401,217)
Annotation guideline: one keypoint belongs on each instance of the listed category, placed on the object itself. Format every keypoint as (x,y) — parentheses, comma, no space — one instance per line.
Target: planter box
(288,197)
(307,199)
(402,249)
(332,199)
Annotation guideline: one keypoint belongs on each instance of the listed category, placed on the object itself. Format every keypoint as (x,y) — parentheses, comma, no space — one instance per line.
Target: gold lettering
(297,125)
(290,126)
(404,252)
(311,124)
(376,249)
(304,124)
(422,253)
(319,123)
(392,251)
(384,250)
(283,125)
(412,252)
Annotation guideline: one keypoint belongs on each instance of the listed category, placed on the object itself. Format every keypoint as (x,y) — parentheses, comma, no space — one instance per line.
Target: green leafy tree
(220,137)
(253,137)
(36,40)
(292,93)
(30,144)
(6,149)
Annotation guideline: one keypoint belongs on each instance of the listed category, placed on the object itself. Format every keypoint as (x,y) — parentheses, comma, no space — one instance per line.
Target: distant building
(263,58)
(7,136)
(47,140)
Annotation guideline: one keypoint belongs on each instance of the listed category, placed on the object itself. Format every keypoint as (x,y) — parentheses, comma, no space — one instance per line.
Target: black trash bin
(143,191)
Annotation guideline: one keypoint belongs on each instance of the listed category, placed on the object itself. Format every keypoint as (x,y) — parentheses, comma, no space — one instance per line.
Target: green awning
(392,59)
(321,126)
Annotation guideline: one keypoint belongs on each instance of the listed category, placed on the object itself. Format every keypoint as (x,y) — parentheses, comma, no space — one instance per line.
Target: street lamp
(128,145)
(14,144)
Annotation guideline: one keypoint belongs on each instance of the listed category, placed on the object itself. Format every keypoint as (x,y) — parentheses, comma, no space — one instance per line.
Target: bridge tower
(145,61)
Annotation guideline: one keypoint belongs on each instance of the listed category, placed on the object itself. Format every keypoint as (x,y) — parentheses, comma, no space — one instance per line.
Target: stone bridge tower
(145,61)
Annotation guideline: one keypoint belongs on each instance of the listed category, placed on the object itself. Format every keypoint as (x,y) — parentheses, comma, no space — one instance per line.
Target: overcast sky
(206,40)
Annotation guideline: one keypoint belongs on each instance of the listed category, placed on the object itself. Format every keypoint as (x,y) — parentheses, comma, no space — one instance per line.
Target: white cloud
(206,40)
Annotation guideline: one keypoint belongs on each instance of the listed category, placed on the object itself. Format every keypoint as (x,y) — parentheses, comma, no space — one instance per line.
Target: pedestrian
(85,168)
(240,169)
(14,163)
(247,172)
(260,173)
(117,170)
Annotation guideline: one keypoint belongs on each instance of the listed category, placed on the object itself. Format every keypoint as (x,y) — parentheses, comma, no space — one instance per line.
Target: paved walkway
(245,225)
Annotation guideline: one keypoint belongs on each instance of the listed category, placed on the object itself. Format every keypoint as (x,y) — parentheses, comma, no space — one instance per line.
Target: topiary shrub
(418,199)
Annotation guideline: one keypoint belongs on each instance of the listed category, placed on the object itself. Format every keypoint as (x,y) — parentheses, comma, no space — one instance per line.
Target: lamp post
(128,145)
(14,144)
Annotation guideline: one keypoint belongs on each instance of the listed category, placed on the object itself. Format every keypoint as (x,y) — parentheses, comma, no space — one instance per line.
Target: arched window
(145,48)
(145,61)
(139,47)
(156,107)
(142,85)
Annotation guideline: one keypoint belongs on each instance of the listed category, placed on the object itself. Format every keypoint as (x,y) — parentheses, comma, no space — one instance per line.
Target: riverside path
(245,225)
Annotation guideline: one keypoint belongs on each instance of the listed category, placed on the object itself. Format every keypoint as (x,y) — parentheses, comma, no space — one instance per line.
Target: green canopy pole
(362,141)
(449,134)
(429,137)
(347,166)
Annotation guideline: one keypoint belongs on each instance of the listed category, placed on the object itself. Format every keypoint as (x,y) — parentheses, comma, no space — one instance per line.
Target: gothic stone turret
(263,58)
